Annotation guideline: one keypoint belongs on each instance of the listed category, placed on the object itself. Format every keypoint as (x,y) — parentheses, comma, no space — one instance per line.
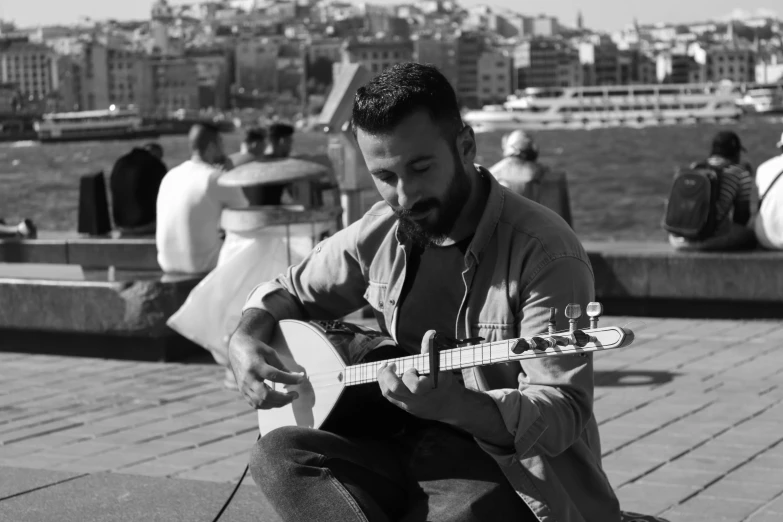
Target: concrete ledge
(653,279)
(34,251)
(121,317)
(137,254)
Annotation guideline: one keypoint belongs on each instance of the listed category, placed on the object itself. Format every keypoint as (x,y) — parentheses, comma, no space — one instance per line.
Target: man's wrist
(258,324)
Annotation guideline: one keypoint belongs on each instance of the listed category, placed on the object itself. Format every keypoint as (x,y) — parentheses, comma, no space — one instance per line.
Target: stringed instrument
(325,397)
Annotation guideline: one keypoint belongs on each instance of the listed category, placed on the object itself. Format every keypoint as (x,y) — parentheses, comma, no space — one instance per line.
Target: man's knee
(281,450)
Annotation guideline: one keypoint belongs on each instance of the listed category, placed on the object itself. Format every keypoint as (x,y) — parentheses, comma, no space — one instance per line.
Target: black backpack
(690,210)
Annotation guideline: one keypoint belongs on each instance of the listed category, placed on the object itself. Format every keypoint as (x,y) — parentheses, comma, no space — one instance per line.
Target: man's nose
(408,193)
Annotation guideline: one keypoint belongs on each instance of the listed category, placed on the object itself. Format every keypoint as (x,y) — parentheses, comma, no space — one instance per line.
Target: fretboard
(483,354)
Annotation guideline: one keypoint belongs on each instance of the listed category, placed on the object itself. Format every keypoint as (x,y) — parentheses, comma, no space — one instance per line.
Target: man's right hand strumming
(253,361)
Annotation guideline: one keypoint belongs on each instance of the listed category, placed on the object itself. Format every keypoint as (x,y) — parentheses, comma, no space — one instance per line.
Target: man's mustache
(418,208)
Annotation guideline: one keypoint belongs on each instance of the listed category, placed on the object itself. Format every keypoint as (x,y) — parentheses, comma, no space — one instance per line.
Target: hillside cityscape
(226,55)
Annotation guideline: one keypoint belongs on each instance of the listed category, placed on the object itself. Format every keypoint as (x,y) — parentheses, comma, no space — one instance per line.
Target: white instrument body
(303,347)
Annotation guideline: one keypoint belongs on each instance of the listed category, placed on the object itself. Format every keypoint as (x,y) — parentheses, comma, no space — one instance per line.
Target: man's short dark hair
(396,93)
(255,135)
(153,147)
(726,144)
(280,130)
(202,135)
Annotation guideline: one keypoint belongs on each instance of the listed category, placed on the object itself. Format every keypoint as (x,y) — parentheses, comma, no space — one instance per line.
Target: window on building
(385,55)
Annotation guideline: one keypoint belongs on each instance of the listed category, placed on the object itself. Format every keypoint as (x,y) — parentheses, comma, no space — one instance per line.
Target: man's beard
(447,210)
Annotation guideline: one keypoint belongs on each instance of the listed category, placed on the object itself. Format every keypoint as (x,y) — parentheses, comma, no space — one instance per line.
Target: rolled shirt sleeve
(554,401)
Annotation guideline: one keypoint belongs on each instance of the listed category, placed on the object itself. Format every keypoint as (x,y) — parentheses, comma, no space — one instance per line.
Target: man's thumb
(427,340)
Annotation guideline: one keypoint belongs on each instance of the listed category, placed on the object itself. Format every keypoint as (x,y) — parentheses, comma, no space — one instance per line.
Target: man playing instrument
(449,249)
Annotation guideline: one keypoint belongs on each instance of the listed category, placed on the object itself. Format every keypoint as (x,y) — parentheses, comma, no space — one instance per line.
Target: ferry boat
(762,99)
(629,105)
(111,124)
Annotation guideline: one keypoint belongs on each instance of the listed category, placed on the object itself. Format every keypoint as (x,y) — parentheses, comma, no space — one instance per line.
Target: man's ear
(466,144)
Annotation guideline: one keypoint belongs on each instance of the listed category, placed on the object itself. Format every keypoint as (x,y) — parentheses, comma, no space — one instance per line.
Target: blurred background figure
(281,140)
(520,171)
(190,203)
(728,227)
(768,223)
(133,185)
(252,148)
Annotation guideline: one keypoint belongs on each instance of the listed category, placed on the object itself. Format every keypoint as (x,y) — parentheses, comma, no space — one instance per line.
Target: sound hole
(340,376)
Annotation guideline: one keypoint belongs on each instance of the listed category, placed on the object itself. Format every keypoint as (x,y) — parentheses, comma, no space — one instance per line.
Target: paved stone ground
(690,417)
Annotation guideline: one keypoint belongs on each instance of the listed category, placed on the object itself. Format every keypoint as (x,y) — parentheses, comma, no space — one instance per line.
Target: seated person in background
(134,184)
(190,203)
(449,249)
(768,223)
(520,171)
(281,140)
(26,229)
(730,213)
(253,147)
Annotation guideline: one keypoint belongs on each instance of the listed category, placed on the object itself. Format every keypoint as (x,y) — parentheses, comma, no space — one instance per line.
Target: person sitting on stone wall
(520,171)
(134,184)
(252,148)
(190,203)
(281,140)
(768,222)
(732,212)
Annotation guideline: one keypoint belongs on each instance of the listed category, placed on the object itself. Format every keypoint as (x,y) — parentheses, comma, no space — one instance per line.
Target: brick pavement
(690,419)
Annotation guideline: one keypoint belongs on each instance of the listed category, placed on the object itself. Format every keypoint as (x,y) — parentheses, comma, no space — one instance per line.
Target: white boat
(111,124)
(767,99)
(628,105)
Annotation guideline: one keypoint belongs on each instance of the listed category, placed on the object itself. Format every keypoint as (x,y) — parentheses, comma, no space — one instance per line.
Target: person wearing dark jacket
(134,184)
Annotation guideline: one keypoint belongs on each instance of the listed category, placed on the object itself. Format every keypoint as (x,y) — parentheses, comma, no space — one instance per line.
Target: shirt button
(380,304)
(318,249)
(391,302)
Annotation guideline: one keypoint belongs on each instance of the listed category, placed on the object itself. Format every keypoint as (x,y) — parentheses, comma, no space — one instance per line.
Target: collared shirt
(768,223)
(189,206)
(523,260)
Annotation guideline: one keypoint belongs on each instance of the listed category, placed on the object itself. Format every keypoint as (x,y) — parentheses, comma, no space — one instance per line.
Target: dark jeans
(428,472)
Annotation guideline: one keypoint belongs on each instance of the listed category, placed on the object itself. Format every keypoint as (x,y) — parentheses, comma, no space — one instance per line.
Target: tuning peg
(541,343)
(594,311)
(552,326)
(573,312)
(520,346)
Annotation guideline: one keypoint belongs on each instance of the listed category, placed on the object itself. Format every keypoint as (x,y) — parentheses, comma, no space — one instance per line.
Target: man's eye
(421,168)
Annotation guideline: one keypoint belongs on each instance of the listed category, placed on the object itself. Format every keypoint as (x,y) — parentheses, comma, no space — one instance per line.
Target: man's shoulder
(539,228)
(771,167)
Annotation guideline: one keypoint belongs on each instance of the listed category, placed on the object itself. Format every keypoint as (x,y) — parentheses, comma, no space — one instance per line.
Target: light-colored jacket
(522,260)
(537,182)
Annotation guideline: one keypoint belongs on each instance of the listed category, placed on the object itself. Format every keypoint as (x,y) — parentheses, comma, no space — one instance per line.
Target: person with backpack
(709,203)
(768,222)
(521,172)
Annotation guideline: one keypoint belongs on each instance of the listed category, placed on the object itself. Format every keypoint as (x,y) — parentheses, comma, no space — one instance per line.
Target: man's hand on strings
(415,394)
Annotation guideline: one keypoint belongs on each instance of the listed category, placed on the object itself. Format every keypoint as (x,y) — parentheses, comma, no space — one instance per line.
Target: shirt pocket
(375,295)
(493,331)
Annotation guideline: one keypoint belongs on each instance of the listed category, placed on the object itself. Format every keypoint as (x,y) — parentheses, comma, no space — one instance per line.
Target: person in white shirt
(768,223)
(190,203)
